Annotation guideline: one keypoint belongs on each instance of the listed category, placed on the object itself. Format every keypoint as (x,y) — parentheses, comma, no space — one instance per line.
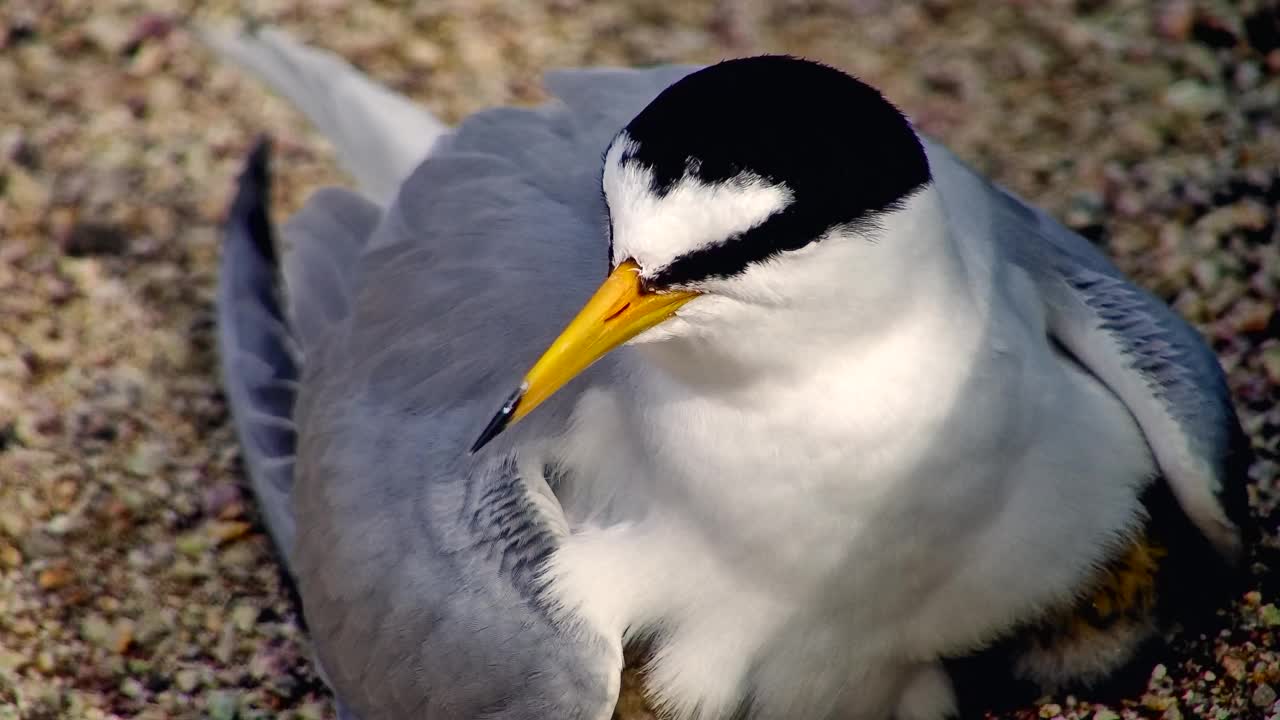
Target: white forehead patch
(654,230)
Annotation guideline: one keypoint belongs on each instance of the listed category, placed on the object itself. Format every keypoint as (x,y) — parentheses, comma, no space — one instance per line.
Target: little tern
(847,431)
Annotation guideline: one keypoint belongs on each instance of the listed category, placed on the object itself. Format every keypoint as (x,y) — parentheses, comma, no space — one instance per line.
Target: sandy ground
(134,579)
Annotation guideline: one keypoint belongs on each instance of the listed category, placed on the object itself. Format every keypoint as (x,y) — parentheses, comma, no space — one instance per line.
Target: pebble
(244,617)
(10,556)
(187,680)
(223,705)
(1234,667)
(1263,695)
(225,531)
(1270,615)
(1174,19)
(55,577)
(1256,317)
(1194,98)
(1270,359)
(96,630)
(132,688)
(12,660)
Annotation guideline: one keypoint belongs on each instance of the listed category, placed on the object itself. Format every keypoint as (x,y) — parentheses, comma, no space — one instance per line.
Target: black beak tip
(499,421)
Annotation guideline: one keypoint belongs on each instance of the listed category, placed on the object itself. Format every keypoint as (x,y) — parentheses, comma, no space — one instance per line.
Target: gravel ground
(134,578)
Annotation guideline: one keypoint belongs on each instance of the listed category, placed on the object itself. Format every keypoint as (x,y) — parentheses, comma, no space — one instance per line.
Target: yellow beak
(617,312)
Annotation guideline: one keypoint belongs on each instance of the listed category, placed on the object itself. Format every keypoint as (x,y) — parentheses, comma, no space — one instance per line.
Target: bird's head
(754,182)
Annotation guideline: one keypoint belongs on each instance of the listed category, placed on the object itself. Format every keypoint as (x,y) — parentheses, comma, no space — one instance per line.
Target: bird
(729,362)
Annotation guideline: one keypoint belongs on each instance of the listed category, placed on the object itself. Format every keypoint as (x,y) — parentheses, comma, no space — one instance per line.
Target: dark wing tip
(253,198)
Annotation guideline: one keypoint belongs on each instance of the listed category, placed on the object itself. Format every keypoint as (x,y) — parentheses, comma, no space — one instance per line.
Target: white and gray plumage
(882,431)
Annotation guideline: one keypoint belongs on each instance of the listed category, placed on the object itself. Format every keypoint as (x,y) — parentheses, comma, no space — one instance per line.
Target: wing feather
(420,567)
(1152,359)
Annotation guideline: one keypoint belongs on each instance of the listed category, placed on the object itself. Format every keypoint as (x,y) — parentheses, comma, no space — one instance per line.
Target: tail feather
(258,358)
(379,135)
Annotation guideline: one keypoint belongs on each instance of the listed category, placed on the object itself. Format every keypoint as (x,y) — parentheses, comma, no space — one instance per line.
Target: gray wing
(379,136)
(420,567)
(1151,358)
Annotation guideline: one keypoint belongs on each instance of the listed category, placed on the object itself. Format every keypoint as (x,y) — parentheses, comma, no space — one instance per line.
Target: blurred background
(134,579)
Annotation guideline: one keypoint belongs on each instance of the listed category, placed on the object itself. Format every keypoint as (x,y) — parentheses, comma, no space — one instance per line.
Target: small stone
(1270,615)
(225,648)
(1194,98)
(10,556)
(1263,695)
(223,501)
(95,629)
(131,688)
(1207,274)
(1052,710)
(1271,366)
(154,626)
(12,661)
(1255,317)
(244,617)
(222,705)
(1210,676)
(122,635)
(60,525)
(1174,20)
(315,711)
(64,494)
(13,524)
(1234,667)
(109,32)
(188,569)
(25,190)
(1247,76)
(1105,714)
(55,577)
(187,680)
(1159,672)
(16,147)
(224,531)
(191,544)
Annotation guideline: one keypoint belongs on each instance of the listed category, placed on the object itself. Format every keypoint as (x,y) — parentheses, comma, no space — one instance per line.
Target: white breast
(895,501)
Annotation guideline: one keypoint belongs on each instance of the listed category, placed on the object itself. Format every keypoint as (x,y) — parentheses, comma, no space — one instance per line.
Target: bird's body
(825,496)
(835,468)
